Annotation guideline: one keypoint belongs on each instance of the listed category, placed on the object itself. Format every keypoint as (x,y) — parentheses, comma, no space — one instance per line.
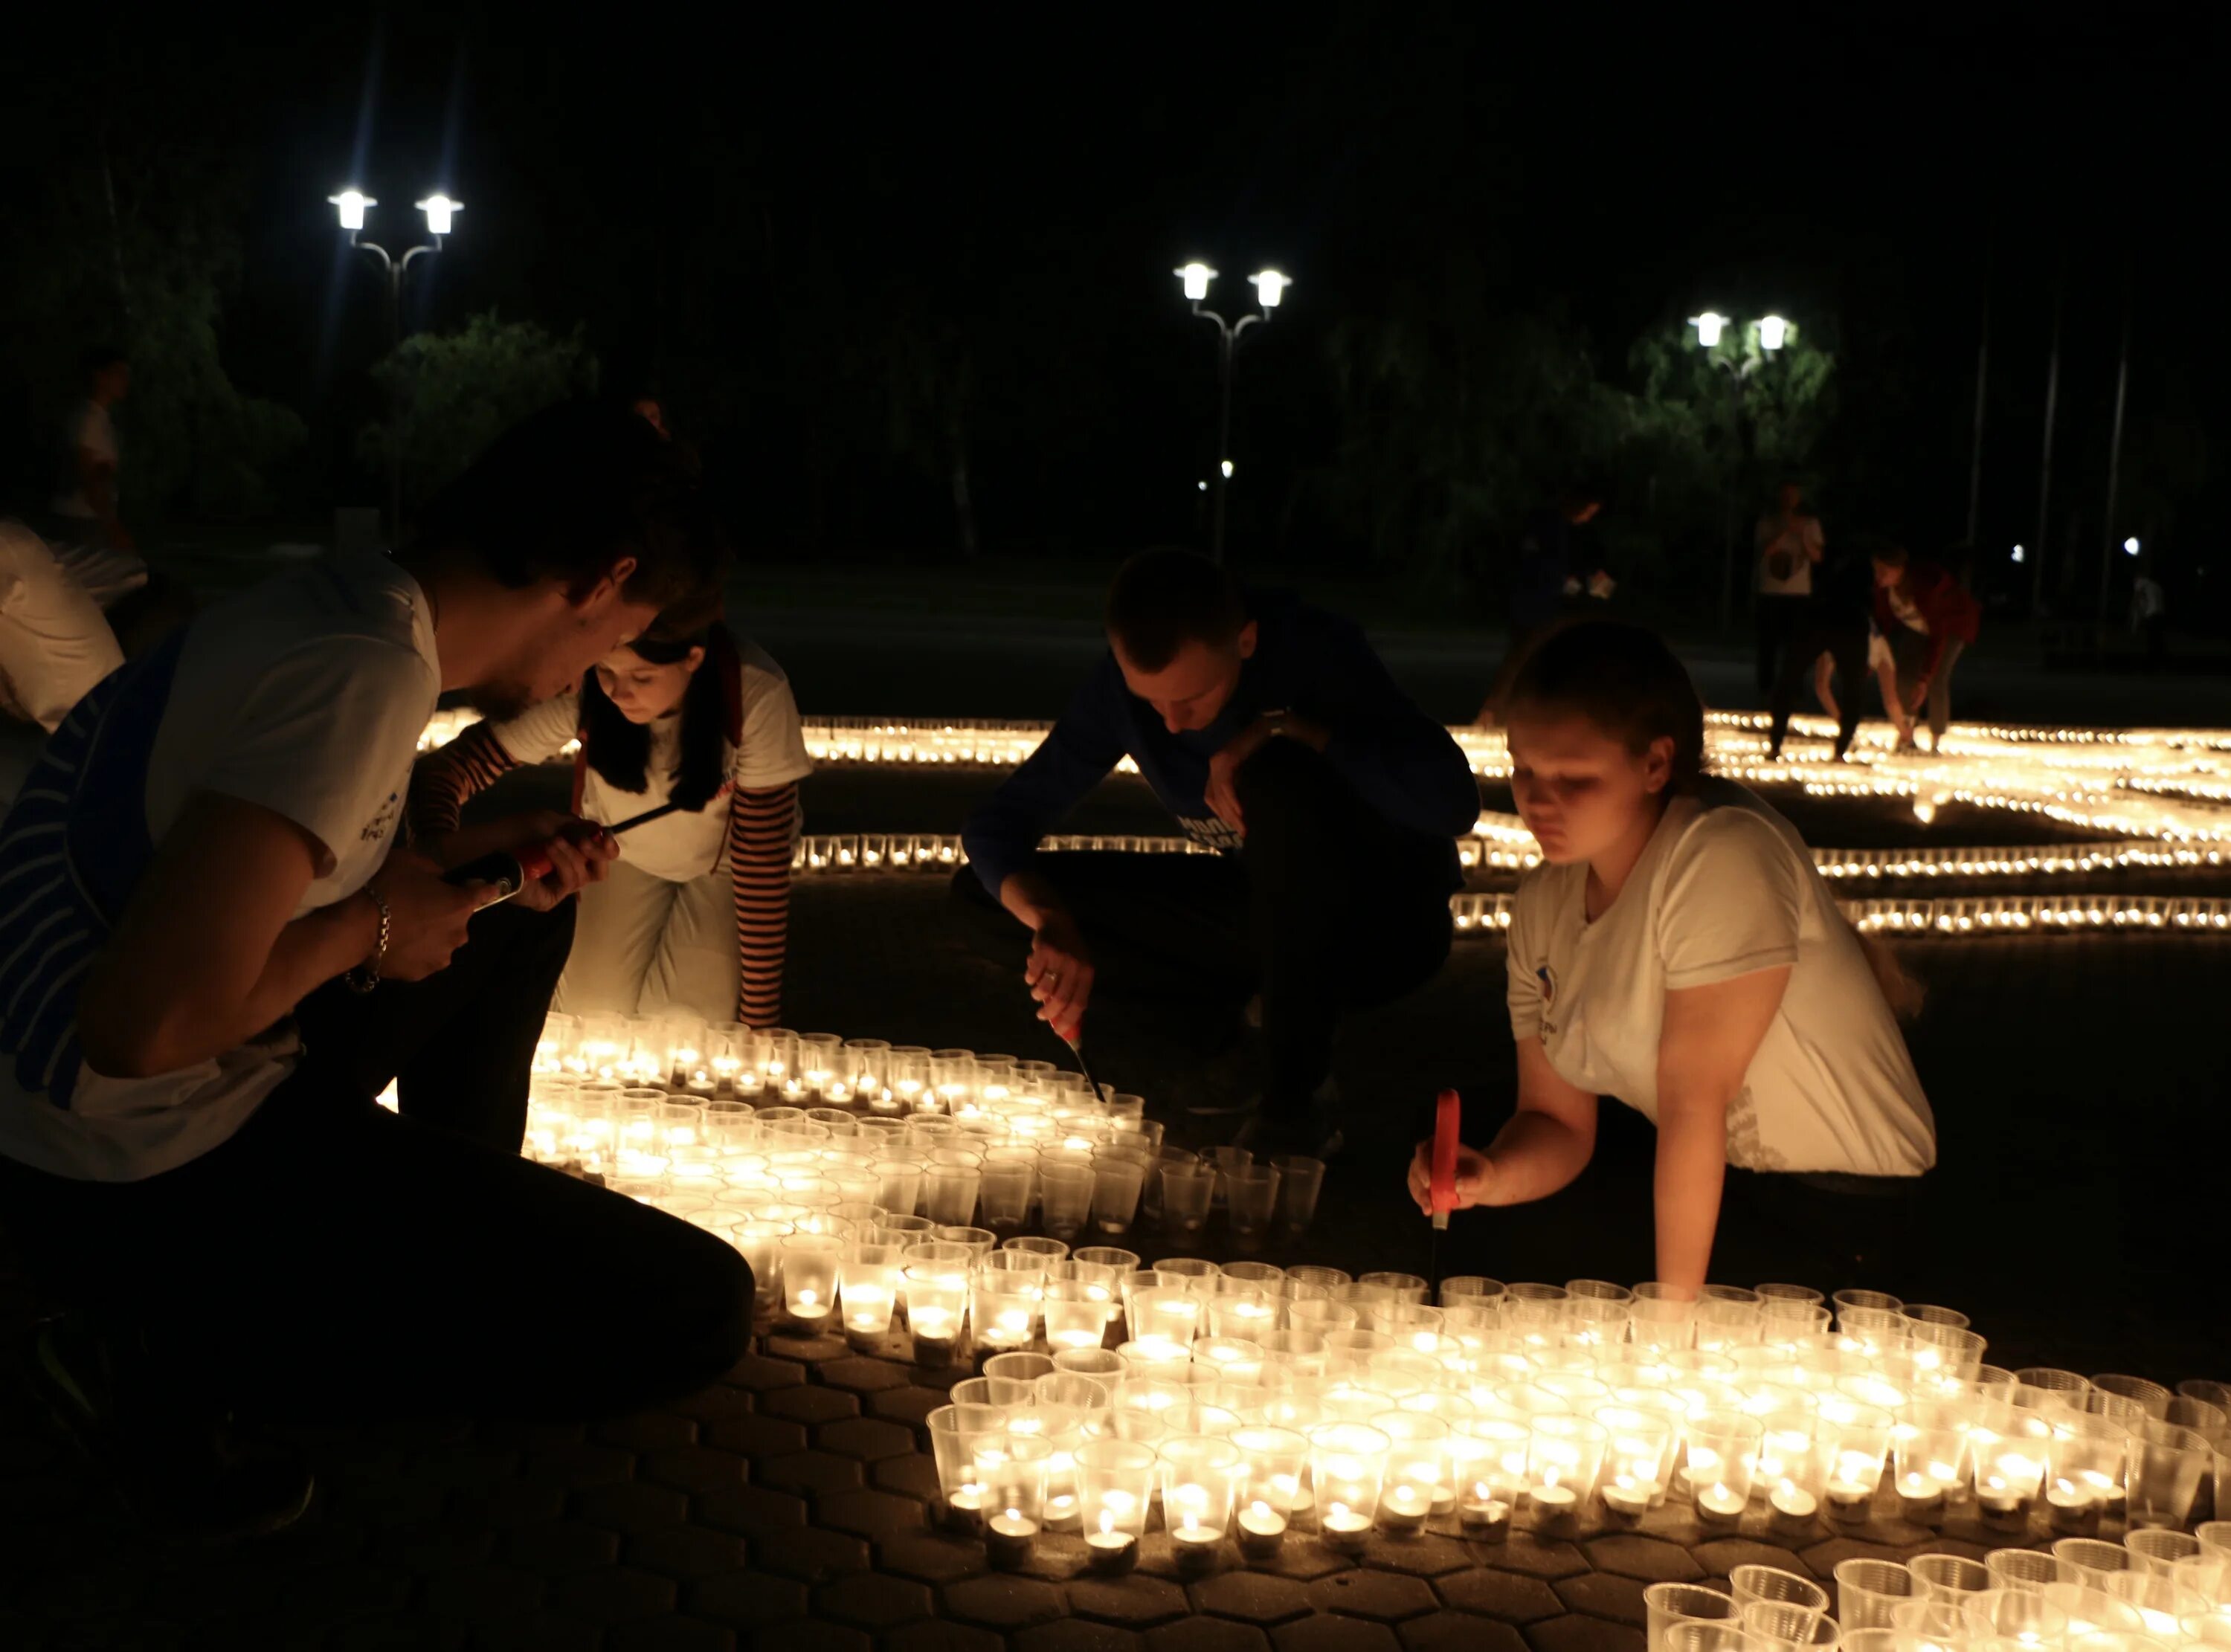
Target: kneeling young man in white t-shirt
(209,843)
(1678,950)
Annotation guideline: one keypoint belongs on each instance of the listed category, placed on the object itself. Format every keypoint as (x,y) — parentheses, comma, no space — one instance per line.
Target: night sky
(733,209)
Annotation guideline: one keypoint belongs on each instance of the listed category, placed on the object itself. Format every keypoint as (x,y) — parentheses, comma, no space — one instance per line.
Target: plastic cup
(1666,1605)
(1867,1591)
(1301,1180)
(1250,1196)
(1188,1190)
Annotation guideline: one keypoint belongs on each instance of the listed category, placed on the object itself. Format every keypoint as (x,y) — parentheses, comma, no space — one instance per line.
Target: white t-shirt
(1724,888)
(91,428)
(684,845)
(306,695)
(54,641)
(1797,538)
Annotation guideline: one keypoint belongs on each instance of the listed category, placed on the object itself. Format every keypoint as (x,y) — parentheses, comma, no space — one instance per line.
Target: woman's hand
(1475,1176)
(1060,974)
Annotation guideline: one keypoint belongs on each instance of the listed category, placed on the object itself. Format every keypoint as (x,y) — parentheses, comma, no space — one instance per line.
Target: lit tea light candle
(1719,1501)
(1343,1527)
(2072,1508)
(1009,1536)
(1110,1550)
(1792,1504)
(1628,1498)
(1483,1516)
(1262,1532)
(1402,1511)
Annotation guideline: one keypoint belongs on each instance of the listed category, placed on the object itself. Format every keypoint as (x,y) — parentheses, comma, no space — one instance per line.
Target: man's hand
(1475,1176)
(1060,974)
(581,852)
(1601,585)
(1224,771)
(427,918)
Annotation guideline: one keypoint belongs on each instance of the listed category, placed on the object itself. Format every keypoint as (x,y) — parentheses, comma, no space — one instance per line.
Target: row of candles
(1988,915)
(2156,1589)
(1245,1400)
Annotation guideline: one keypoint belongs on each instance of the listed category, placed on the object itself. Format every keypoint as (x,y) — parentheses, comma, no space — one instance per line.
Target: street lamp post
(1771,333)
(441,215)
(1270,288)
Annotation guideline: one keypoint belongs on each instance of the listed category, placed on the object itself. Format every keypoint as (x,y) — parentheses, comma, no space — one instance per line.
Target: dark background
(845,249)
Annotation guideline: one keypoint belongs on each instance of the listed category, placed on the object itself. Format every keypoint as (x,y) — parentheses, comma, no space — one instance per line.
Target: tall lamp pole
(441,215)
(1270,288)
(1769,333)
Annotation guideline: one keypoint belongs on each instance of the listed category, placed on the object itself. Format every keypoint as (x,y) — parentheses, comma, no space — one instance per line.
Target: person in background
(2149,617)
(1789,546)
(1678,949)
(1272,732)
(1545,580)
(1835,642)
(87,497)
(695,914)
(55,643)
(1940,618)
(231,1224)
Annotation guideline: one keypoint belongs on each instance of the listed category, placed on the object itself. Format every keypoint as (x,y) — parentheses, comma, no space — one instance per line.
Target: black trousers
(333,1260)
(1775,616)
(1846,644)
(1327,908)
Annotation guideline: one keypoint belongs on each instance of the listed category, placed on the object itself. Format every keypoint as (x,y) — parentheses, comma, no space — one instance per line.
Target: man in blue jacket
(1273,734)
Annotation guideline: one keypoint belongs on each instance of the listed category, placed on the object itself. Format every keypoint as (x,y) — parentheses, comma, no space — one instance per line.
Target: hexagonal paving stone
(913,1475)
(1252,1596)
(1528,1554)
(813,1556)
(1723,1555)
(1419,1557)
(713,1400)
(1447,1631)
(876,1601)
(437,1545)
(578,1464)
(910,1405)
(1579,1633)
(1330,1634)
(755,1511)
(749,1600)
(811,1403)
(539,1632)
(694,1469)
(686,1551)
(755,1436)
(518,1501)
(931,1635)
(864,1376)
(1137,1600)
(1648,1559)
(865,1440)
(1005,1604)
(811,1349)
(930,1558)
(481,1594)
(1825,1557)
(629,1508)
(559,1548)
(869,1513)
(646,1431)
(759,1374)
(1306,1558)
(670,1634)
(1207,1635)
(812,1636)
(809,1473)
(1385,1596)
(613,1595)
(1509,1596)
(1076,1634)
(1604,1594)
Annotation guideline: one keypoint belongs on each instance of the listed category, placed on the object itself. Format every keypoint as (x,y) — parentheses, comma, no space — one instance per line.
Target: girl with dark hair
(695,915)
(1678,950)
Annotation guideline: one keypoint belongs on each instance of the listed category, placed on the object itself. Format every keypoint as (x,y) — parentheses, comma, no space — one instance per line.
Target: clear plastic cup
(1250,1196)
(1665,1605)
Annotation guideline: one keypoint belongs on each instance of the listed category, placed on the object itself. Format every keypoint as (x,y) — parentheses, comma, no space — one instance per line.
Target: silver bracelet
(366,975)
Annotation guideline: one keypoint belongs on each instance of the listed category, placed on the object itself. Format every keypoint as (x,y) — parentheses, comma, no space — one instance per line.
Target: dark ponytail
(619,751)
(1623,679)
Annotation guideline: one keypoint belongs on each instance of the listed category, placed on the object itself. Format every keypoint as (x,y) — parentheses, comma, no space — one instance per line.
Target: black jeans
(1829,1232)
(333,1260)
(1775,617)
(1845,643)
(1329,907)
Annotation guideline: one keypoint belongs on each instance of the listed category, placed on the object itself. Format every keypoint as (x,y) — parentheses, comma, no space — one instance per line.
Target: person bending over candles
(695,914)
(1274,734)
(1678,950)
(230,1224)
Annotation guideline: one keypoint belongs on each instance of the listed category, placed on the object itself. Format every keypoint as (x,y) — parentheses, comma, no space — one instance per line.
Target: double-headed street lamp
(1270,288)
(1769,333)
(441,215)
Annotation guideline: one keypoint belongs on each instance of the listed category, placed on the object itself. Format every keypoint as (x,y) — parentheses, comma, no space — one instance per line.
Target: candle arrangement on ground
(962,1211)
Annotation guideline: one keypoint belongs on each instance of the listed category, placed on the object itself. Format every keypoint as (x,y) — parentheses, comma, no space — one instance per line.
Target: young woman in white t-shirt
(695,915)
(1678,950)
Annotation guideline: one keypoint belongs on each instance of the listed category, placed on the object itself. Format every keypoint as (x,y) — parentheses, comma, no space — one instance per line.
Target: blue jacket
(1314,664)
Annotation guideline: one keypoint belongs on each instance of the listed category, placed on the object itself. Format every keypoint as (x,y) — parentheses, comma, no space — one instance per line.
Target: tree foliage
(454,393)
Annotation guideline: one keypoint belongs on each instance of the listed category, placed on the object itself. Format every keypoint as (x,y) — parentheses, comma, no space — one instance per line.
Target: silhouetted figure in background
(2150,618)
(1788,546)
(1832,639)
(1545,576)
(1925,599)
